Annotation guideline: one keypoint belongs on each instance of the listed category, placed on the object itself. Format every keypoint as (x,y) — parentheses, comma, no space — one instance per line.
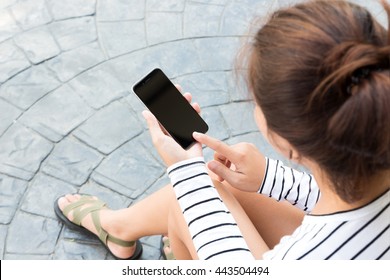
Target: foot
(167,249)
(106,216)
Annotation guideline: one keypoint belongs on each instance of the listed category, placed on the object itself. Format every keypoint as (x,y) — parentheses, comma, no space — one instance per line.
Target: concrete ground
(69,121)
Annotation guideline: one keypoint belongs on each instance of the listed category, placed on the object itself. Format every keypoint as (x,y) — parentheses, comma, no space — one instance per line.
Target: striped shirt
(361,233)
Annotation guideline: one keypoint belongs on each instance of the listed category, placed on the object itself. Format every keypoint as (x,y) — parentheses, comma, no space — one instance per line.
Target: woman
(320,75)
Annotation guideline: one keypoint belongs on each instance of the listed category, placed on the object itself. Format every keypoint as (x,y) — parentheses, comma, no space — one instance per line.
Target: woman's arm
(284,183)
(253,172)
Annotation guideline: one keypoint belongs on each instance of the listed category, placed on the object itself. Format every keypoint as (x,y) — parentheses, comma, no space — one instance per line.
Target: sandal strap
(104,236)
(81,214)
(76,208)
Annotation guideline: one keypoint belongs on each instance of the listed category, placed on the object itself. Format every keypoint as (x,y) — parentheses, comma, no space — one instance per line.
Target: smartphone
(169,106)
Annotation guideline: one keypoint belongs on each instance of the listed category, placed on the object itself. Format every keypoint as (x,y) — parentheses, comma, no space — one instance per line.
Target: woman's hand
(170,151)
(241,165)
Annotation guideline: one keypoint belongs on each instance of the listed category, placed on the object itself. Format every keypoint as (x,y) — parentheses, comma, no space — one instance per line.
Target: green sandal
(93,209)
(165,244)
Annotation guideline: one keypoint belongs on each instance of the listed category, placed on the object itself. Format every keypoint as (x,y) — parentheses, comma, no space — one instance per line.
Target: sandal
(166,244)
(94,207)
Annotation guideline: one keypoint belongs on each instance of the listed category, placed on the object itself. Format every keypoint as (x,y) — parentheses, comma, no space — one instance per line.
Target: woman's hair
(320,71)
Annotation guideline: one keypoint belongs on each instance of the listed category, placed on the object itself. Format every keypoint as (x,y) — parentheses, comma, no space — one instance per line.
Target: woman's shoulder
(361,233)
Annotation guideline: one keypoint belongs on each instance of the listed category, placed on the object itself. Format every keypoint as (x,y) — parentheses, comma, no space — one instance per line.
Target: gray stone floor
(69,121)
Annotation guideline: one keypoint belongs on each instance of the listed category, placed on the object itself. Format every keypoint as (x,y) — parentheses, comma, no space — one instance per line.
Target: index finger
(216,145)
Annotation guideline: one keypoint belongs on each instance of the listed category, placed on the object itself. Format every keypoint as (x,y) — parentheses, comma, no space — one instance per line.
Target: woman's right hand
(241,165)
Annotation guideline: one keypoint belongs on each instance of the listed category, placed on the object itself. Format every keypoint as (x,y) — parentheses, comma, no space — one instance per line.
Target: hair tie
(360,75)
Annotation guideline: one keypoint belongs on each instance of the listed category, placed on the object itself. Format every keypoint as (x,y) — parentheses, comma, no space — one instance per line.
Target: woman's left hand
(170,151)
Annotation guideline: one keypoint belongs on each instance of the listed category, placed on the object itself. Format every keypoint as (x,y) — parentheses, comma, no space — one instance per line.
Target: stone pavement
(69,121)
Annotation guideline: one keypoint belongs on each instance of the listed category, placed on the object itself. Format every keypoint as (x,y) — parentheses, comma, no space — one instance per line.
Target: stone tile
(8,26)
(239,117)
(71,162)
(207,88)
(79,236)
(130,170)
(235,18)
(12,61)
(98,86)
(217,125)
(208,154)
(153,241)
(109,128)
(165,6)
(71,250)
(122,37)
(146,141)
(69,64)
(150,252)
(75,32)
(71,8)
(11,192)
(119,10)
(172,57)
(8,115)
(287,3)
(201,19)
(22,152)
(65,113)
(31,13)
(375,8)
(7,3)
(382,19)
(3,236)
(211,2)
(29,234)
(160,183)
(42,193)
(262,9)
(158,22)
(237,86)
(38,44)
(25,257)
(136,104)
(29,86)
(113,199)
(217,54)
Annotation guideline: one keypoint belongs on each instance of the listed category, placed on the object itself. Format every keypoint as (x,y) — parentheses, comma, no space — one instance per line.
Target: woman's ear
(277,142)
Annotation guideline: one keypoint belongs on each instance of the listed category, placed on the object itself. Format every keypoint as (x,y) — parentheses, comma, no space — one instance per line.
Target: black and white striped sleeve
(284,183)
(212,227)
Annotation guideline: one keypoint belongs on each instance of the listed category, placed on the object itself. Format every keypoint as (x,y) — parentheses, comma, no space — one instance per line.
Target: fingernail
(145,114)
(196,134)
(212,165)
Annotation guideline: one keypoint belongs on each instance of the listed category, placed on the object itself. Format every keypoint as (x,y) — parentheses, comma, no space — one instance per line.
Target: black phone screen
(170,107)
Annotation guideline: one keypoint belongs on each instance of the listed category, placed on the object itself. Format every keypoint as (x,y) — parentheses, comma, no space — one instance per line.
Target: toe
(72,197)
(62,202)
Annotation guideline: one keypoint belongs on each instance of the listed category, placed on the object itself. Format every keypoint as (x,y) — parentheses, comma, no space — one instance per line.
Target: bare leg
(146,217)
(160,213)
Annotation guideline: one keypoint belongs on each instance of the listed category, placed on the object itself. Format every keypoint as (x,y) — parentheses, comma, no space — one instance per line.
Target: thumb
(223,172)
(154,127)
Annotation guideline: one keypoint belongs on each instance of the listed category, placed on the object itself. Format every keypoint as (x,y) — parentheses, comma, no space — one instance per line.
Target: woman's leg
(160,213)
(146,217)
(180,239)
